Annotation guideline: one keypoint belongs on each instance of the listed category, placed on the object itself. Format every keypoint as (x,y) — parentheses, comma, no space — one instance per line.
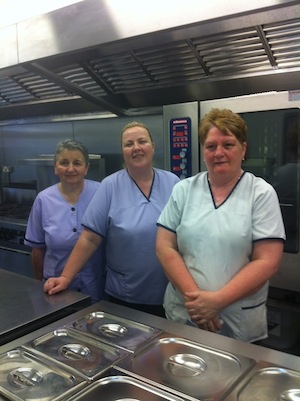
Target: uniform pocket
(254,320)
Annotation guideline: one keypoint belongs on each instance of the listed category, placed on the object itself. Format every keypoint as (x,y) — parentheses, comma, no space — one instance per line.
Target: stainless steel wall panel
(28,140)
(103,137)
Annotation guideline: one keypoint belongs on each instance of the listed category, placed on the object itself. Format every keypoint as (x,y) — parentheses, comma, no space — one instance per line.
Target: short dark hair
(70,144)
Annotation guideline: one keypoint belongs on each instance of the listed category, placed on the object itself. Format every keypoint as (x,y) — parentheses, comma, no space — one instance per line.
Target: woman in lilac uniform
(124,211)
(54,224)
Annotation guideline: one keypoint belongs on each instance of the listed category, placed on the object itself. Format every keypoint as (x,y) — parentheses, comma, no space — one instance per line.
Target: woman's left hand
(214,325)
(203,309)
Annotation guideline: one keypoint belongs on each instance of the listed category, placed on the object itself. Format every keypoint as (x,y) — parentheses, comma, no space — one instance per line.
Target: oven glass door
(273,153)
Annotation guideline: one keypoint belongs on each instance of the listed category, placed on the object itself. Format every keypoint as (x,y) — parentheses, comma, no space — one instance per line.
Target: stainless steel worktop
(24,307)
(202,337)
(106,350)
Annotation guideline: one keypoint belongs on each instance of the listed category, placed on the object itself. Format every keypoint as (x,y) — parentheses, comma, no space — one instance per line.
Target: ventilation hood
(98,57)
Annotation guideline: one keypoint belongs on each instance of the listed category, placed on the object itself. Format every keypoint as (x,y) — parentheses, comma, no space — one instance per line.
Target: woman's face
(137,147)
(70,166)
(223,153)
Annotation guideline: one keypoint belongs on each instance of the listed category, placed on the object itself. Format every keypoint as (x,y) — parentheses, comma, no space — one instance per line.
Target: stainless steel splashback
(45,171)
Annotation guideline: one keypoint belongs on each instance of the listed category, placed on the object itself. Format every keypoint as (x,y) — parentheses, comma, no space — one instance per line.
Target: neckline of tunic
(63,195)
(218,204)
(152,183)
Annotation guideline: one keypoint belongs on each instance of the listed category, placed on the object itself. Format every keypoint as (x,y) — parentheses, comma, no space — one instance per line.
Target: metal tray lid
(186,368)
(114,330)
(117,386)
(25,377)
(83,354)
(267,382)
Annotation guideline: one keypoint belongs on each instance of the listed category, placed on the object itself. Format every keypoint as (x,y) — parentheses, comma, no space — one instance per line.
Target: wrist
(66,279)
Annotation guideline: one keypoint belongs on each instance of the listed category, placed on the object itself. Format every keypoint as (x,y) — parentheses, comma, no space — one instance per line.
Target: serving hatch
(186,368)
(114,330)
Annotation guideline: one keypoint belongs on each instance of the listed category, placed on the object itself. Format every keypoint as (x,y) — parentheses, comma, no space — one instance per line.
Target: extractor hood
(96,56)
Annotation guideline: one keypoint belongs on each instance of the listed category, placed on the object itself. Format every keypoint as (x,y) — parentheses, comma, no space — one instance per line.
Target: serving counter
(107,351)
(112,352)
(227,344)
(24,307)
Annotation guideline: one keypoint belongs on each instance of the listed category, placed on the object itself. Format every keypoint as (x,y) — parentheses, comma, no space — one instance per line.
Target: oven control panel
(180,147)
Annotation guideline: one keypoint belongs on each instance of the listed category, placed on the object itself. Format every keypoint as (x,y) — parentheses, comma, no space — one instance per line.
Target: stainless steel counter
(205,338)
(24,307)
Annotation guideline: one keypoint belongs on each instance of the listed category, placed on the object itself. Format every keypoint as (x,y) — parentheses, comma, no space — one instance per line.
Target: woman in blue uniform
(220,238)
(54,224)
(124,212)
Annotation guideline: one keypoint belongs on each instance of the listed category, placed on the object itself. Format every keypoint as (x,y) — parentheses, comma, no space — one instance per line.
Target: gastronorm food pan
(24,377)
(87,356)
(115,330)
(267,382)
(186,368)
(121,387)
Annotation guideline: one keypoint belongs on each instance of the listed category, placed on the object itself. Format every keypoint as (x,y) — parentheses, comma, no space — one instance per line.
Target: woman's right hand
(56,284)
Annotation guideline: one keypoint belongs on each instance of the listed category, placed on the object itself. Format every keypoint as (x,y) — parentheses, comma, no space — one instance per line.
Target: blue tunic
(122,214)
(216,242)
(55,224)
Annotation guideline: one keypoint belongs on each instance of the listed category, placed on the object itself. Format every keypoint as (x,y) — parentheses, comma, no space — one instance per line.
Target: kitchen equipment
(120,387)
(185,368)
(83,354)
(267,382)
(114,330)
(23,376)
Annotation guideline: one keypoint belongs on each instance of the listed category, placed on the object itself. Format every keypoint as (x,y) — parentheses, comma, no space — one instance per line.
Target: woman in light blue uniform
(220,238)
(54,224)
(124,211)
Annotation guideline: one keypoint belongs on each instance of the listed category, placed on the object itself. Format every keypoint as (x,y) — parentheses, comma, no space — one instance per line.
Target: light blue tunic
(216,242)
(123,215)
(55,224)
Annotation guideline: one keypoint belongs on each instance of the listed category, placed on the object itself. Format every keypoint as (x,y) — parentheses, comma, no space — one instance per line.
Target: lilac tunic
(123,215)
(55,224)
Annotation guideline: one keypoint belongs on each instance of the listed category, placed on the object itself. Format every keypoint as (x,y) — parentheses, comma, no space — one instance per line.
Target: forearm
(247,282)
(266,258)
(85,247)
(176,270)
(254,275)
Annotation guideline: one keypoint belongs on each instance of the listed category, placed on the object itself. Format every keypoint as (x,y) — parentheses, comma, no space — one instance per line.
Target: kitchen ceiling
(237,54)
